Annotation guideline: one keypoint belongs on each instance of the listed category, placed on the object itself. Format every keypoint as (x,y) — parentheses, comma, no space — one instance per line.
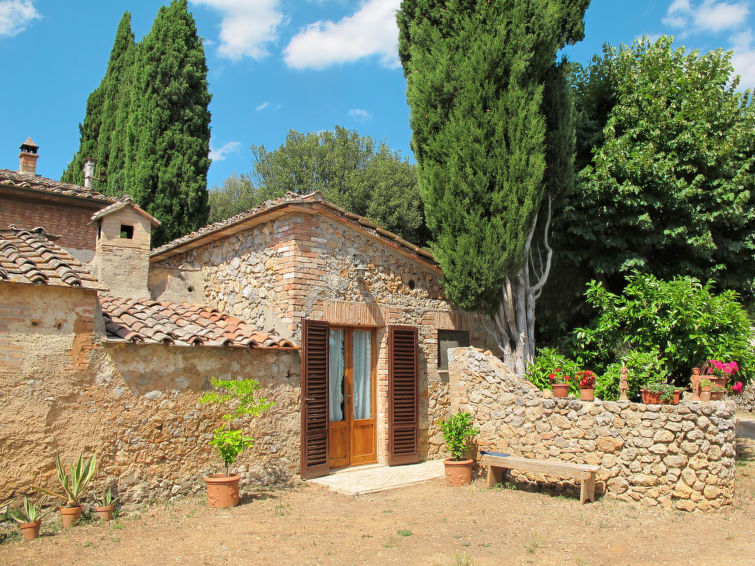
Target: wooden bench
(584,472)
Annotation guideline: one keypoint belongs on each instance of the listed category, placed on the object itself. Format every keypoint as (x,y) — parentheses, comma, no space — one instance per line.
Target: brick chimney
(28,157)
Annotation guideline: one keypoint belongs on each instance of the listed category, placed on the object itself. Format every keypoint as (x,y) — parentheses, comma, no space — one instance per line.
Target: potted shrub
(706,386)
(106,506)
(560,383)
(717,393)
(29,519)
(74,487)
(719,372)
(240,396)
(457,430)
(651,395)
(586,385)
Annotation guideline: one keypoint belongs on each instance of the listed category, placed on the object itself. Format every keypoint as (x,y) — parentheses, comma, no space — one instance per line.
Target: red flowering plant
(586,379)
(723,370)
(559,376)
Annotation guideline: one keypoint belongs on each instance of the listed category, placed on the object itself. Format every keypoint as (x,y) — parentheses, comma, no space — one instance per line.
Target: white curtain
(335,375)
(362,374)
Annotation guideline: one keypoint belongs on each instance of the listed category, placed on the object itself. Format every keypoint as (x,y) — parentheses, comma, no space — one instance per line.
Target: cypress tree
(485,94)
(99,122)
(169,125)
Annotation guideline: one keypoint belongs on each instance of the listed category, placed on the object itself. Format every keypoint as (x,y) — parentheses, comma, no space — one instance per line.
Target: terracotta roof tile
(151,322)
(29,182)
(237,223)
(29,256)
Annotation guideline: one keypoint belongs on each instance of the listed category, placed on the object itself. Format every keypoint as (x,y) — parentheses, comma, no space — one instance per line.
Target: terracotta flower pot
(69,515)
(677,396)
(587,394)
(705,393)
(718,381)
(561,390)
(716,395)
(222,490)
(105,513)
(458,472)
(31,530)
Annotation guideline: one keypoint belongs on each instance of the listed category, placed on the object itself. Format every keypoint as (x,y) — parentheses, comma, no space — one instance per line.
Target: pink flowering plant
(724,369)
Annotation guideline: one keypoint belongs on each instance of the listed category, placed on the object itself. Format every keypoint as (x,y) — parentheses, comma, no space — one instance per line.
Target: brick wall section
(301,266)
(68,221)
(679,457)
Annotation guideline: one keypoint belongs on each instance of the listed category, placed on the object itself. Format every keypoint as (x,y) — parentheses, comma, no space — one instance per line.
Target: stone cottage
(367,307)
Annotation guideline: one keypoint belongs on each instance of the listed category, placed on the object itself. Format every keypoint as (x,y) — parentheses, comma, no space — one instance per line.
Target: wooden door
(403,395)
(314,389)
(352,424)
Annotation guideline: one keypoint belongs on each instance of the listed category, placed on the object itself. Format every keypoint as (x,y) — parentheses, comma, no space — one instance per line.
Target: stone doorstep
(374,478)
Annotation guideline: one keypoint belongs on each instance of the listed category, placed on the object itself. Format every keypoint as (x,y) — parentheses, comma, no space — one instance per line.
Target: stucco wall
(674,456)
(134,405)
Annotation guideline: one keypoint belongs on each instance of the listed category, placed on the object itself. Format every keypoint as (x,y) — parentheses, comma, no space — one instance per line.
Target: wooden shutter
(403,395)
(314,400)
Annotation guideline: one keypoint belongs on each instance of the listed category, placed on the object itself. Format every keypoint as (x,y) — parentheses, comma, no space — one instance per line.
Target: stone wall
(679,457)
(746,401)
(302,266)
(134,405)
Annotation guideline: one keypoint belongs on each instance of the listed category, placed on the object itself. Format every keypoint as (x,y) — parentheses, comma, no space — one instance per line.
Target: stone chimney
(28,157)
(121,258)
(88,172)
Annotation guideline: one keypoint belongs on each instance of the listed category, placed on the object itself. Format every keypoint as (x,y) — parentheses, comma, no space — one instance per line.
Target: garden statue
(694,381)
(623,384)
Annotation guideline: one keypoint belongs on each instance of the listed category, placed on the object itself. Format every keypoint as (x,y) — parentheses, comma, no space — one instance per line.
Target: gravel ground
(425,524)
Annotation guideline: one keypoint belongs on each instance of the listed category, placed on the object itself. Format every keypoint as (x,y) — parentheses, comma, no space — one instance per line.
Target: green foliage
(546,362)
(241,397)
(29,513)
(681,322)
(107,498)
(457,430)
(667,145)
(476,74)
(74,485)
(236,195)
(352,171)
(644,368)
(170,125)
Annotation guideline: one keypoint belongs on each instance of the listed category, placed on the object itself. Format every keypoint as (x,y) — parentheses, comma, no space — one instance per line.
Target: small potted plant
(586,385)
(74,487)
(457,430)
(240,395)
(29,519)
(719,372)
(706,386)
(717,393)
(560,383)
(106,506)
(651,395)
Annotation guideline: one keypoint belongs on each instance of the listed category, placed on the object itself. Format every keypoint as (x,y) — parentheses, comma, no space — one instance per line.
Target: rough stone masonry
(680,457)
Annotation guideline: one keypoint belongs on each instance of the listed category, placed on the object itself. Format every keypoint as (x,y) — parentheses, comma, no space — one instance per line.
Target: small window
(127,231)
(450,339)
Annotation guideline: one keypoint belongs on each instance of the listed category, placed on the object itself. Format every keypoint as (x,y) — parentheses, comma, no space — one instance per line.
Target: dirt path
(426,524)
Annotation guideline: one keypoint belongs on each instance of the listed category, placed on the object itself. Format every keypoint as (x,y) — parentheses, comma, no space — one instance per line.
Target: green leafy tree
(169,126)
(102,104)
(237,194)
(488,104)
(352,171)
(668,185)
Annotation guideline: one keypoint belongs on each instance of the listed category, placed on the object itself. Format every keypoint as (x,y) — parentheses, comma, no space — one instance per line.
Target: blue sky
(276,65)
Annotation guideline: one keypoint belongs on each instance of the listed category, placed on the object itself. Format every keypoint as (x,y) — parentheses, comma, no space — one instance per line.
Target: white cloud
(359,114)
(370,31)
(15,16)
(221,153)
(708,16)
(744,57)
(246,27)
(262,106)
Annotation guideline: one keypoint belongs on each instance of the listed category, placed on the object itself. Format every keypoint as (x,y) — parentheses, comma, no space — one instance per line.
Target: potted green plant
(586,385)
(706,386)
(651,395)
(240,396)
(106,505)
(457,431)
(717,393)
(74,486)
(29,518)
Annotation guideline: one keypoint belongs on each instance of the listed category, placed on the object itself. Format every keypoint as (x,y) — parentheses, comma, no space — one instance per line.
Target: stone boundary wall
(746,401)
(680,457)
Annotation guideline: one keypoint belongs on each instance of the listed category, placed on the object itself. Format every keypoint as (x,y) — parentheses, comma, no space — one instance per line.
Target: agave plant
(75,484)
(107,498)
(30,513)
